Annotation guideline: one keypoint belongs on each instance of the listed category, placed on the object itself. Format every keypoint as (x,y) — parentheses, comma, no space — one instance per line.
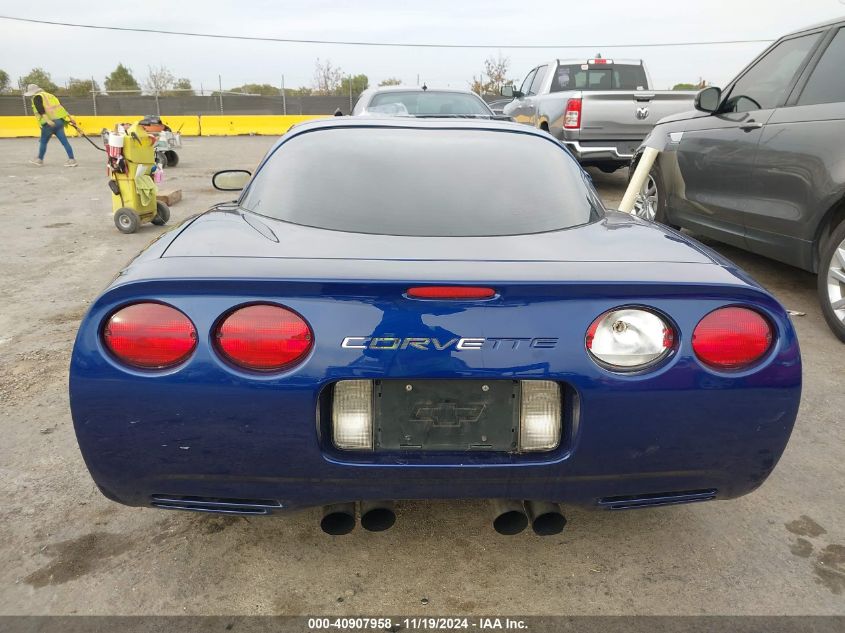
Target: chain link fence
(227,103)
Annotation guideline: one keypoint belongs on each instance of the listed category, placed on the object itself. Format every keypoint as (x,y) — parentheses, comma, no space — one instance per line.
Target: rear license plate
(446,415)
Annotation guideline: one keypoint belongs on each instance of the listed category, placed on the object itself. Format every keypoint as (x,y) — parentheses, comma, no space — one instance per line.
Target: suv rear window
(423,182)
(607,77)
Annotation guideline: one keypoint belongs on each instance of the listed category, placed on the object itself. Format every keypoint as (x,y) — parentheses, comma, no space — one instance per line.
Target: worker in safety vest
(52,117)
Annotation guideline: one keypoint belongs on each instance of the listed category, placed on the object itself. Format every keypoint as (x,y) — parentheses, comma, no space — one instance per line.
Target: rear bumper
(206,430)
(598,153)
(241,442)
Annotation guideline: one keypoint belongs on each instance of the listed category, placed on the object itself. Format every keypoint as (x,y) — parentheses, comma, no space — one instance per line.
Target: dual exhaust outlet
(339,518)
(510,516)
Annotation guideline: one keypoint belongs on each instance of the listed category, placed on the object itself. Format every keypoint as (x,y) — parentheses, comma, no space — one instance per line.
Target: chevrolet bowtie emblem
(448,413)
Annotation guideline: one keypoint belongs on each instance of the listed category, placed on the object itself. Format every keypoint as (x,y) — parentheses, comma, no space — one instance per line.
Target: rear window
(430,103)
(608,77)
(423,182)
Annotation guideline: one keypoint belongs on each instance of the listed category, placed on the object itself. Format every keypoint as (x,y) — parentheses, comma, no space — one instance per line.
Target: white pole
(94,94)
(284,100)
(638,179)
(220,91)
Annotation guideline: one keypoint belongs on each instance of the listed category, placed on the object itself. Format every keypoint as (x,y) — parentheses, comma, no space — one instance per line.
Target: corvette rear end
(252,362)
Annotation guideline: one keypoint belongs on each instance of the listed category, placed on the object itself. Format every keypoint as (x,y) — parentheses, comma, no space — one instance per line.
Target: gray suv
(761,164)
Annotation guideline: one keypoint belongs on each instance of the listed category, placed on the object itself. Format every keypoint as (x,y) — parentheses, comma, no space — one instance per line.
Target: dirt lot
(66,549)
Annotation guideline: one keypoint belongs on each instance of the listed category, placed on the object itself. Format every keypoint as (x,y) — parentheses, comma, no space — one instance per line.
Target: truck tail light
(572,115)
(599,60)
(263,337)
(628,339)
(150,335)
(732,338)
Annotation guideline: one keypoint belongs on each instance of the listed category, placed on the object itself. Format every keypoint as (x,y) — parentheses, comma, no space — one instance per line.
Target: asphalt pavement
(65,549)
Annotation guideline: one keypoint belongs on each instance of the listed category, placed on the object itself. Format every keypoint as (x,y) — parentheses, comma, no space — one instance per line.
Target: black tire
(126,220)
(172,158)
(831,281)
(162,216)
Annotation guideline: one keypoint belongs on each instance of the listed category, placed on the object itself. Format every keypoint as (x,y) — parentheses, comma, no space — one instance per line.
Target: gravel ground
(66,549)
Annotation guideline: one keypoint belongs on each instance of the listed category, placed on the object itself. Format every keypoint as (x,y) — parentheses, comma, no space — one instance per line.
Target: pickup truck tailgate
(621,116)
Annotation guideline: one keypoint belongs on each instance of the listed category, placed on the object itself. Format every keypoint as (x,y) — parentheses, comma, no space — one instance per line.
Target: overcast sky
(68,52)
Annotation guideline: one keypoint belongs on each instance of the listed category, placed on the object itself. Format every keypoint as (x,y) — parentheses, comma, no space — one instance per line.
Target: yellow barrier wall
(208,125)
(12,126)
(232,125)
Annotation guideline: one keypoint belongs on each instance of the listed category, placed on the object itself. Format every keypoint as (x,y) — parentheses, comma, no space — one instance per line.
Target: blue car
(428,309)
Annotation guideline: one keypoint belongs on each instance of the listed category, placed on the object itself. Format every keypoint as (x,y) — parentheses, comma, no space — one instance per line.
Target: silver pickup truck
(600,108)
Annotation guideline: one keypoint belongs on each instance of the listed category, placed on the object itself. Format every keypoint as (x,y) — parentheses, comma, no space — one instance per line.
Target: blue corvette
(428,309)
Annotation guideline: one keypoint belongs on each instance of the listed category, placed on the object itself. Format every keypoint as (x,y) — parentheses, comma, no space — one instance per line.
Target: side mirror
(510,92)
(708,100)
(230,179)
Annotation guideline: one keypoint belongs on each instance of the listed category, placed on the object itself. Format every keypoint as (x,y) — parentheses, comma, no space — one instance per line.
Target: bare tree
(494,77)
(159,80)
(497,72)
(327,78)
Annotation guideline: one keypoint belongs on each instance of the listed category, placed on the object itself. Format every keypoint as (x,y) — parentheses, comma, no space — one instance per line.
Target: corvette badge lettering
(434,344)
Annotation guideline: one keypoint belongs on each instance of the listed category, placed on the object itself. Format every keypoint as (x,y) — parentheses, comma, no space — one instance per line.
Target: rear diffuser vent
(216,504)
(656,499)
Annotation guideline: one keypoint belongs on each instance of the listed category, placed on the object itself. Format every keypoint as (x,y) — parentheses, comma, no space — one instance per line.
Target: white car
(421,102)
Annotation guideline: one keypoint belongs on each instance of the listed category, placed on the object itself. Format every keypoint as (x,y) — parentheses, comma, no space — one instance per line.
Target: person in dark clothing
(52,117)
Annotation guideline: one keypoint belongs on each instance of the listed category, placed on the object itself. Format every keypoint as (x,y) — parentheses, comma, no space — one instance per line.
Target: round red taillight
(731,338)
(150,336)
(264,337)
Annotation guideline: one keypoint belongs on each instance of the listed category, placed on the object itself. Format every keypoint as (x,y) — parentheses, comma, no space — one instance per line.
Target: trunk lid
(615,239)
(627,115)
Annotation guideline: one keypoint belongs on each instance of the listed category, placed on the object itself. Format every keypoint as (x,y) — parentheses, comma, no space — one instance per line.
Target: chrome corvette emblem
(425,344)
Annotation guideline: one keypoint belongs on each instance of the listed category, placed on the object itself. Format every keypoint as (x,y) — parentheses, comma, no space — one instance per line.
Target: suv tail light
(150,335)
(572,115)
(263,337)
(732,338)
(627,339)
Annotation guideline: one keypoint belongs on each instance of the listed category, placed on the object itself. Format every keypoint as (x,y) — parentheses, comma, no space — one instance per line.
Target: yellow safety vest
(53,109)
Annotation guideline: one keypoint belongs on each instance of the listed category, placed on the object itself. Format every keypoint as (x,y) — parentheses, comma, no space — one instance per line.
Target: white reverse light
(539,415)
(352,415)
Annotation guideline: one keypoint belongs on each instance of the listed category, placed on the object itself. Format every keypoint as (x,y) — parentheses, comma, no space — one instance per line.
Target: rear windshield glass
(423,182)
(619,77)
(431,103)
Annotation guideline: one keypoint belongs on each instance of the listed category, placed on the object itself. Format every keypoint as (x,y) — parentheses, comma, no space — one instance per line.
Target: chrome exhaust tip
(546,517)
(377,516)
(509,516)
(338,519)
